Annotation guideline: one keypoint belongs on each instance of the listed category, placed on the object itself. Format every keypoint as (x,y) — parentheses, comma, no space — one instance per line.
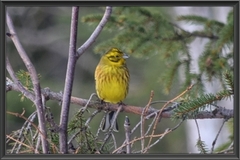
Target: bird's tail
(108,122)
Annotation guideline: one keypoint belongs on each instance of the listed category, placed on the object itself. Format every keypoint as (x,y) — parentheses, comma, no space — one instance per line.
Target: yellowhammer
(112,80)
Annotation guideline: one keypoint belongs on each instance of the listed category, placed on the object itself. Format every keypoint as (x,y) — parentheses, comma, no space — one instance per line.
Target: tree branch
(16,84)
(72,59)
(73,56)
(218,113)
(34,77)
(196,34)
(127,134)
(96,32)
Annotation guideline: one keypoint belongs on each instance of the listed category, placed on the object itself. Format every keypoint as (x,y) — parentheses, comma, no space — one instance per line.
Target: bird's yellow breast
(111,83)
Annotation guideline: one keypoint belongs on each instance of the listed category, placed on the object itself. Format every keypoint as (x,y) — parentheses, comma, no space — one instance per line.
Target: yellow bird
(112,81)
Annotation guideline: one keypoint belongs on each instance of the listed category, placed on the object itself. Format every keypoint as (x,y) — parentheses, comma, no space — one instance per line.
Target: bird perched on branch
(112,81)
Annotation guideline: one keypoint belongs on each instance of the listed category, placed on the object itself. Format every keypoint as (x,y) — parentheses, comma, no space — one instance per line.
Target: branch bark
(96,32)
(73,56)
(34,77)
(218,113)
(127,134)
(72,59)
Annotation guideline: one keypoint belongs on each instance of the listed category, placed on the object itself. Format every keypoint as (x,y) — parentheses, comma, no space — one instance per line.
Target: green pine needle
(201,146)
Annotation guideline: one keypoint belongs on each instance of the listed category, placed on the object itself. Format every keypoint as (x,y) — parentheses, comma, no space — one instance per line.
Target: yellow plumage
(112,77)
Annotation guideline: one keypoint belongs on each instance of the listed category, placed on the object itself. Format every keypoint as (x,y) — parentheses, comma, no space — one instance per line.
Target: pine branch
(225,35)
(203,34)
(228,76)
(192,107)
(202,146)
(194,19)
(169,76)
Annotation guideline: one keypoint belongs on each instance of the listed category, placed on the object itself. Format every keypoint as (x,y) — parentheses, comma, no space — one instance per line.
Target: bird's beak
(125,56)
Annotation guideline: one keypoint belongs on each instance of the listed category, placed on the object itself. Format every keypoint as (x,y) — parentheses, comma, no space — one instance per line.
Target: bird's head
(115,57)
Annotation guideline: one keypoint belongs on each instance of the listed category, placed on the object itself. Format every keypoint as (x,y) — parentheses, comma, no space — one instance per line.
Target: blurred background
(44,34)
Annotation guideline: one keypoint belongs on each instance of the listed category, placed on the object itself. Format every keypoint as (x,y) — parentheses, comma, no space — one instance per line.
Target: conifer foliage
(148,31)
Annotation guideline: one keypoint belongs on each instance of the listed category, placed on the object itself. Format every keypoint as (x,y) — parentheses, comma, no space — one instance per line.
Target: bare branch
(26,127)
(200,143)
(34,77)
(70,69)
(127,134)
(143,119)
(215,140)
(91,117)
(72,59)
(167,131)
(160,112)
(160,138)
(30,147)
(114,141)
(217,113)
(37,144)
(96,32)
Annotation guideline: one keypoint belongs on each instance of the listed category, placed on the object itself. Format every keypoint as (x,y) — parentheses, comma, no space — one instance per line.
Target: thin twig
(87,121)
(215,140)
(143,119)
(147,117)
(36,127)
(28,128)
(37,144)
(114,141)
(151,124)
(231,145)
(100,126)
(89,100)
(157,141)
(199,137)
(160,138)
(138,139)
(74,136)
(160,112)
(139,123)
(26,119)
(127,134)
(96,32)
(91,117)
(19,135)
(229,149)
(20,142)
(148,136)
